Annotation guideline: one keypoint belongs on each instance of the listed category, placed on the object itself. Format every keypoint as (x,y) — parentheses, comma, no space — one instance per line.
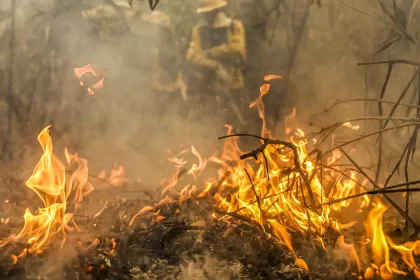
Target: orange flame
(272,77)
(273,192)
(117,177)
(379,245)
(260,106)
(58,194)
(267,200)
(80,72)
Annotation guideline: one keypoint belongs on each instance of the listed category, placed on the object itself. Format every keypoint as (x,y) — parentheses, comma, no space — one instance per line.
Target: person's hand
(222,74)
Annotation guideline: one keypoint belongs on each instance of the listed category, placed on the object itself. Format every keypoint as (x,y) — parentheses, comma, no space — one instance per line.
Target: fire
(91,86)
(281,191)
(284,191)
(380,245)
(117,177)
(61,195)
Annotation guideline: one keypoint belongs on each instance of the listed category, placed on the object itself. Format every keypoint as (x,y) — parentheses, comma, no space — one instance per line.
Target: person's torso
(213,37)
(209,38)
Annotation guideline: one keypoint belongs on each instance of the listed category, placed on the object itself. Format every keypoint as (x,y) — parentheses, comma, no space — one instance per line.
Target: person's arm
(196,54)
(234,46)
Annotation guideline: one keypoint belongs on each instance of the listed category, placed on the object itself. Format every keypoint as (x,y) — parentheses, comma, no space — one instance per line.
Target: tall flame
(58,193)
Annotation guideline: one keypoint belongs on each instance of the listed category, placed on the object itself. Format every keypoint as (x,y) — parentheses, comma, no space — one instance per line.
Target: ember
(85,81)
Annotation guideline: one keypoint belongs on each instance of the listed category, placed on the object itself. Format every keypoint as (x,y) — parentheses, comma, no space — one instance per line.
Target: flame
(279,191)
(260,107)
(272,77)
(59,195)
(114,246)
(80,72)
(348,253)
(117,177)
(141,213)
(289,118)
(5,221)
(382,265)
(101,211)
(282,191)
(351,126)
(197,169)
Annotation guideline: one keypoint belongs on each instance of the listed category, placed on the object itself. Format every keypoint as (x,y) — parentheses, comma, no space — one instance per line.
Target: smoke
(207,266)
(128,123)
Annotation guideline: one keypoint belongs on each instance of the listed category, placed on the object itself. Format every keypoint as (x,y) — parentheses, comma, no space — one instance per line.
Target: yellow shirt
(235,45)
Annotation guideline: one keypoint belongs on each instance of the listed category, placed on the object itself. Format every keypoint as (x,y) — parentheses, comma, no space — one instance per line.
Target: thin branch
(362,12)
(407,198)
(293,54)
(393,61)
(373,192)
(266,141)
(369,135)
(397,166)
(255,192)
(394,108)
(381,126)
(240,217)
(330,129)
(399,210)
(339,102)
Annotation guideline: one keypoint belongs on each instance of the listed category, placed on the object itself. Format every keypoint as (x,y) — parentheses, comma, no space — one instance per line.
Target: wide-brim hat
(158,18)
(210,5)
(122,3)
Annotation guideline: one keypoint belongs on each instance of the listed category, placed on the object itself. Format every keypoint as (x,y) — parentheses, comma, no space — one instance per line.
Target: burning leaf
(91,86)
(80,72)
(272,77)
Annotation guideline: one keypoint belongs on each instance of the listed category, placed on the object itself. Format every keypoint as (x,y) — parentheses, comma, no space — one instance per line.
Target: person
(109,19)
(217,53)
(167,79)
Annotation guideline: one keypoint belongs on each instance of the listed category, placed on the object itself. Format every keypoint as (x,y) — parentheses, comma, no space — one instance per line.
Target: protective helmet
(122,3)
(158,18)
(210,5)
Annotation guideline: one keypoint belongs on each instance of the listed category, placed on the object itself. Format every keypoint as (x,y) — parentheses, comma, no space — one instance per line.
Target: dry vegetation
(354,62)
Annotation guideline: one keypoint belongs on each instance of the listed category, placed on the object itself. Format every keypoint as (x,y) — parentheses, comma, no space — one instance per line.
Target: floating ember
(89,78)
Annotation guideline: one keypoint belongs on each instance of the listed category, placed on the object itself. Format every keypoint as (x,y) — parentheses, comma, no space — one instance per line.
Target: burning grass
(277,212)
